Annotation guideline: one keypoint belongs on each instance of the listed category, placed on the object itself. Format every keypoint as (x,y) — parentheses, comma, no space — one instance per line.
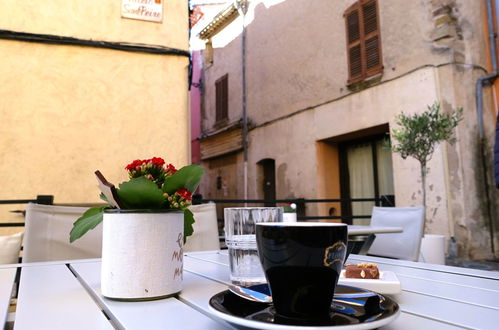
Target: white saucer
(388,283)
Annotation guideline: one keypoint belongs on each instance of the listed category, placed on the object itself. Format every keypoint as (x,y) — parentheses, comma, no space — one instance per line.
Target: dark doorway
(268,179)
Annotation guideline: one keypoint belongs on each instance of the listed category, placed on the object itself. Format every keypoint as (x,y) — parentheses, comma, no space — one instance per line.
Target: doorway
(366,171)
(267,169)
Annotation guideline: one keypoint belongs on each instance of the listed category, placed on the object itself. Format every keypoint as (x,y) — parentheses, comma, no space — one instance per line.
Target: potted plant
(418,136)
(144,228)
(289,212)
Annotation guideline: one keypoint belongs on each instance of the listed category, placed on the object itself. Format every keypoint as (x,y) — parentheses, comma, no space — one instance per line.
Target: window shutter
(354,43)
(218,100)
(363,40)
(355,62)
(225,97)
(371,37)
(222,98)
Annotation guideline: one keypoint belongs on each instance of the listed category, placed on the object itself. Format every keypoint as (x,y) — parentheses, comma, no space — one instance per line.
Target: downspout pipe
(487,80)
(242,6)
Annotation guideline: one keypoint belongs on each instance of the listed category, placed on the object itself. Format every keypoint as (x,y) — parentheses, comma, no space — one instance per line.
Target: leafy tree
(420,133)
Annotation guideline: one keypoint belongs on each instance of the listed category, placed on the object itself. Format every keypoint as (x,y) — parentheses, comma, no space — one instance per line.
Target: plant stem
(423,183)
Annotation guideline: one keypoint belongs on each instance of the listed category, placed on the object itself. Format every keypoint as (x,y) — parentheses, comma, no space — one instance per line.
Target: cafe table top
(66,295)
(354,230)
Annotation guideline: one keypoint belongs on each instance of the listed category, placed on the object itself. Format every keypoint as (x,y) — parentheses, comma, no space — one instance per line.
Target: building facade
(318,85)
(83,88)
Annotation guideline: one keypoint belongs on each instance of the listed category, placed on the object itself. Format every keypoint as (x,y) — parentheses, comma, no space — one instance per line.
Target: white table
(61,295)
(354,230)
(7,276)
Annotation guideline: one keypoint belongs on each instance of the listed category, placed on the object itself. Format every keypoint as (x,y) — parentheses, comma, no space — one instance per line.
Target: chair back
(205,235)
(405,245)
(47,230)
(10,246)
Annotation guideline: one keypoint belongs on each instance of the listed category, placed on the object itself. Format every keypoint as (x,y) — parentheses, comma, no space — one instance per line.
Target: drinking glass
(245,266)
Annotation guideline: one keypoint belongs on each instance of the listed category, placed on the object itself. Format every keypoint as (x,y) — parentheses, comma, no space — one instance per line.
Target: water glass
(245,266)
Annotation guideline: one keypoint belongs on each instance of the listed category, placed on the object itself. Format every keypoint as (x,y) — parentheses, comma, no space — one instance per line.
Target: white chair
(405,245)
(10,246)
(205,235)
(47,230)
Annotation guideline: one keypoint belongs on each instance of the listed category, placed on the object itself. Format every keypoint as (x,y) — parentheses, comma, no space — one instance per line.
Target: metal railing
(40,199)
(301,205)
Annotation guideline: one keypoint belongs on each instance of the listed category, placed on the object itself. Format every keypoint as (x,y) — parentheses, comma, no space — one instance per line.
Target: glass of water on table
(245,266)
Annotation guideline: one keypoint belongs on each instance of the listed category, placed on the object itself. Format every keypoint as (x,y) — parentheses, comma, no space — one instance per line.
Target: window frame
(358,7)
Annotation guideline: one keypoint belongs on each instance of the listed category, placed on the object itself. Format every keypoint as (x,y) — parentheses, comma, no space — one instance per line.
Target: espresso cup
(302,262)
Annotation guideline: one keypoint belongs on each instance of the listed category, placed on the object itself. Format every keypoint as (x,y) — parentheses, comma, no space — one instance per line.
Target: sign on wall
(147,10)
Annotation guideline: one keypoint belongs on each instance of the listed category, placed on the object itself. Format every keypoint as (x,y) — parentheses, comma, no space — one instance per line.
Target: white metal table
(66,295)
(354,230)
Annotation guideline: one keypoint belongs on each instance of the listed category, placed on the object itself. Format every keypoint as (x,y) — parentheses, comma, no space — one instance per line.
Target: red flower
(133,165)
(186,194)
(157,161)
(170,169)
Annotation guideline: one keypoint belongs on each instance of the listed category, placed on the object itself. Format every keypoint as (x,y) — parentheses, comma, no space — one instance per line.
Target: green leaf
(419,133)
(89,220)
(140,193)
(188,221)
(187,177)
(103,197)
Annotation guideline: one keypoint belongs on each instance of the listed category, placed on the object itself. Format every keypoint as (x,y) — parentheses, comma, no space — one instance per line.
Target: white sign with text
(147,10)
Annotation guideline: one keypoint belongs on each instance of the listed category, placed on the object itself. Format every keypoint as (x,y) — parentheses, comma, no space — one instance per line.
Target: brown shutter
(363,40)
(218,100)
(371,37)
(222,98)
(352,21)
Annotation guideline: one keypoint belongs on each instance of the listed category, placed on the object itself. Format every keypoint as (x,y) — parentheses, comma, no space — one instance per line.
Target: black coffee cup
(302,263)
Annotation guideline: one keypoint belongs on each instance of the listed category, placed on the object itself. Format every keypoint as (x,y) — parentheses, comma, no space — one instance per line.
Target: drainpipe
(242,6)
(487,80)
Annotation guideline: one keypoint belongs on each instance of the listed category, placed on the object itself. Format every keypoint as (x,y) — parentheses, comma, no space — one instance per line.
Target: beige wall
(68,110)
(297,96)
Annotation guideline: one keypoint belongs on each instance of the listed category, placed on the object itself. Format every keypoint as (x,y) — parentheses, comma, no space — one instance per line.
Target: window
(222,98)
(363,40)
(208,54)
(366,172)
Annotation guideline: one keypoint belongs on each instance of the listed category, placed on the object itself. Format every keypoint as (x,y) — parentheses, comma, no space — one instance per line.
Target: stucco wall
(67,110)
(296,52)
(295,139)
(297,95)
(226,60)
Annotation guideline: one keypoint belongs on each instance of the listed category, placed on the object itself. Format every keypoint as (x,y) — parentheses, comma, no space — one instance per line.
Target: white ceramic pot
(142,254)
(289,217)
(432,249)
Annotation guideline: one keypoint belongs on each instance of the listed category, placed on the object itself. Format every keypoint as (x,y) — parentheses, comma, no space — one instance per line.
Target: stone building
(84,88)
(318,85)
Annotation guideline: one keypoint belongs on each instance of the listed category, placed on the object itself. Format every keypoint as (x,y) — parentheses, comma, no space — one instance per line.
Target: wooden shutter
(363,40)
(222,98)
(371,37)
(352,20)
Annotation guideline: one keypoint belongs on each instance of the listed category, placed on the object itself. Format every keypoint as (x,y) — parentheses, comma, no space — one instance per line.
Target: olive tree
(419,134)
